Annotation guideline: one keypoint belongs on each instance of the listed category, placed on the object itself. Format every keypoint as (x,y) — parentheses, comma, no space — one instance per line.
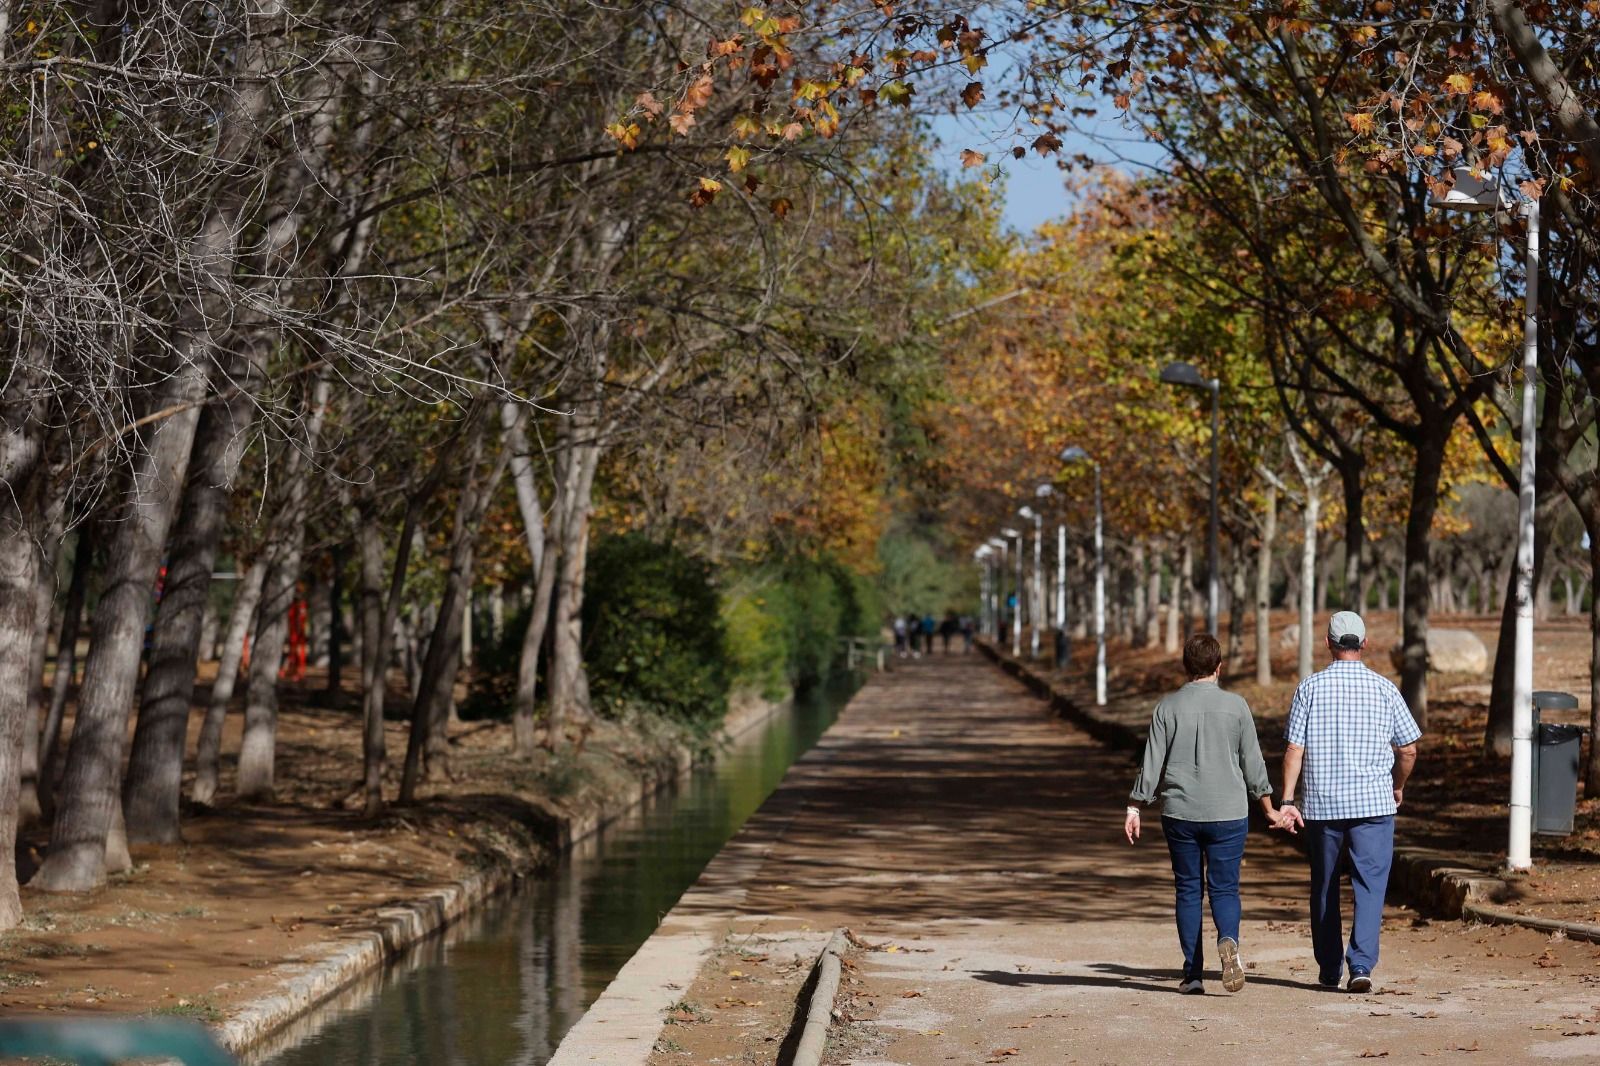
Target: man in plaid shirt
(1353,739)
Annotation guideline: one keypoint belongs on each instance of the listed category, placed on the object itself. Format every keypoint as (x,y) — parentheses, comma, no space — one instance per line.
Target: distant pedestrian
(1352,737)
(948,629)
(967,628)
(1203,761)
(900,637)
(914,633)
(929,627)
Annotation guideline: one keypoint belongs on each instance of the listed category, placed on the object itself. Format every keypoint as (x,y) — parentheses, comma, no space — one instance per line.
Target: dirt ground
(199,927)
(1457,800)
(973,844)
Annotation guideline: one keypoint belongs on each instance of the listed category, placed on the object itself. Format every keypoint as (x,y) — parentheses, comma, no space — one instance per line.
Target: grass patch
(199,1009)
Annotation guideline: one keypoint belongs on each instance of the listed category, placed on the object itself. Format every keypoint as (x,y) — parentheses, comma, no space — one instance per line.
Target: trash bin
(1555,765)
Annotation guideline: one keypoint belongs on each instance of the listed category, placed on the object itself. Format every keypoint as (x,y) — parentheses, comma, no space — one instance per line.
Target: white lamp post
(981,557)
(1076,454)
(1479,193)
(1060,615)
(997,587)
(1016,615)
(1188,376)
(1036,593)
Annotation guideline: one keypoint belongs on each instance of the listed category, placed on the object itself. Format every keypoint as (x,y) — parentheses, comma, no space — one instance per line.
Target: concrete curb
(1432,882)
(819,1013)
(1500,916)
(342,961)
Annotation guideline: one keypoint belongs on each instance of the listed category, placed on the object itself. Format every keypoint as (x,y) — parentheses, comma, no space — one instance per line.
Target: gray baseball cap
(1346,629)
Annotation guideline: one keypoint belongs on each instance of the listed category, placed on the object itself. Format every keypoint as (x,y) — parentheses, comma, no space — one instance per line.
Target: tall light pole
(1473,193)
(1044,492)
(1076,454)
(1036,605)
(998,586)
(1188,376)
(981,557)
(1016,615)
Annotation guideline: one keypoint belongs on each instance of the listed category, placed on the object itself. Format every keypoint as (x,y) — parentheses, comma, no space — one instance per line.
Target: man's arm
(1405,760)
(1289,815)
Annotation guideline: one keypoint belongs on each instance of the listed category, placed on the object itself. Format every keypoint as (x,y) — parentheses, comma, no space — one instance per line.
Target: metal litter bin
(1555,765)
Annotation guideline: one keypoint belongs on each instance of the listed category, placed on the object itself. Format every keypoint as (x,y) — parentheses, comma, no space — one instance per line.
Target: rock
(1451,651)
(1290,637)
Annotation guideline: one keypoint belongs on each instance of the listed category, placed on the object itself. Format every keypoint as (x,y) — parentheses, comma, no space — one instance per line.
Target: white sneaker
(1192,987)
(1232,968)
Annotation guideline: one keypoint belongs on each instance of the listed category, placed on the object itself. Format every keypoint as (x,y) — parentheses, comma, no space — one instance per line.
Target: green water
(505,987)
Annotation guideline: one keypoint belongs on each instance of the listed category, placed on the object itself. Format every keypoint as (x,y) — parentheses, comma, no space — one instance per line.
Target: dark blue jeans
(1209,852)
(1365,847)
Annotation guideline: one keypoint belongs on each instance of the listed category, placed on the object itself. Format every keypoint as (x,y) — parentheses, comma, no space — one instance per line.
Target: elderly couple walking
(1351,744)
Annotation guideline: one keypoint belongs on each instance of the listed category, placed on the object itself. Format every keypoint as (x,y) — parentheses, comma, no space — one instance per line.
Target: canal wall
(338,964)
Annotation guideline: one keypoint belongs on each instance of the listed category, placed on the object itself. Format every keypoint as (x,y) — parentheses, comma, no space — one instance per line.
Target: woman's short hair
(1201,655)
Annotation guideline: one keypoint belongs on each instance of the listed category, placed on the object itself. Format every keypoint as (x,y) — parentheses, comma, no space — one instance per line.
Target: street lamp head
(1186,375)
(996,543)
(1014,534)
(1044,490)
(1073,454)
(1474,192)
(1025,511)
(983,551)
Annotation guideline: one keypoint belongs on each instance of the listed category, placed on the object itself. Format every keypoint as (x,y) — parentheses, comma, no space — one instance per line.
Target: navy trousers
(1365,848)
(1208,852)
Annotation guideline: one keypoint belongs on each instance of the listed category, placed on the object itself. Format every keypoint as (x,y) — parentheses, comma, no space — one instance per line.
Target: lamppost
(1076,454)
(1036,604)
(1016,614)
(998,586)
(981,557)
(1474,194)
(1188,376)
(1043,492)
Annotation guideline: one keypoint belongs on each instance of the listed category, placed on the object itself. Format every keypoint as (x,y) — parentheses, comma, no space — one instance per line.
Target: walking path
(949,820)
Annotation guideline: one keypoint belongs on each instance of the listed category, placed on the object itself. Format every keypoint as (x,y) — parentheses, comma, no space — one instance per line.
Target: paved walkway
(947,815)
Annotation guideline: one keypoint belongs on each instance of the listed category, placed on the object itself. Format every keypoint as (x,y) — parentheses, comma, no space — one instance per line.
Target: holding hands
(1287,817)
(1130,825)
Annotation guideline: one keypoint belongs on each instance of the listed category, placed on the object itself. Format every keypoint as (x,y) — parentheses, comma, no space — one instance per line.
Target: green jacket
(1202,757)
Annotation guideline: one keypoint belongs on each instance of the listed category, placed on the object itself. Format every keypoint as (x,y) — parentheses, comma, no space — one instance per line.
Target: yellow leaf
(738,158)
(711,185)
(1460,84)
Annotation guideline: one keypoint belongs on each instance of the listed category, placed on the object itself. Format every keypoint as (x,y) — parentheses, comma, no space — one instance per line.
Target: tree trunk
(1236,600)
(66,665)
(1355,533)
(522,720)
(1174,609)
(154,785)
(1152,598)
(21,474)
(569,685)
(90,786)
(1186,590)
(1419,527)
(336,626)
(241,623)
(429,734)
(1141,608)
(1497,732)
(1310,512)
(1269,532)
(258,749)
(1591,774)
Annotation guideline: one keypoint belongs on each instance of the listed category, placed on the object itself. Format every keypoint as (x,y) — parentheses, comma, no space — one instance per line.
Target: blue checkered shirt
(1349,720)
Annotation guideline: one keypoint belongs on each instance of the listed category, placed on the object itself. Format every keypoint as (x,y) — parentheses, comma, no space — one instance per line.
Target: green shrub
(755,621)
(653,636)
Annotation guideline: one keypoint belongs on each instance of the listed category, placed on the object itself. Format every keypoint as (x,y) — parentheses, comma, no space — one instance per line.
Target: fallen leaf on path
(933,1032)
(1463,1047)
(1427,1014)
(1547,960)
(1024,1025)
(911,994)
(1370,1054)
(1003,1053)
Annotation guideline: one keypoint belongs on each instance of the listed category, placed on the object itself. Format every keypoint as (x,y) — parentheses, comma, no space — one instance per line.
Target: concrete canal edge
(819,1011)
(1432,882)
(338,963)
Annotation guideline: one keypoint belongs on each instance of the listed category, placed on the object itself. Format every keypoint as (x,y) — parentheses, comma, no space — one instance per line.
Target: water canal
(504,987)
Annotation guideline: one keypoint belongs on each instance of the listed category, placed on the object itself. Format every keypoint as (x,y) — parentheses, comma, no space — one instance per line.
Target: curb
(346,959)
(1433,882)
(819,1013)
(350,957)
